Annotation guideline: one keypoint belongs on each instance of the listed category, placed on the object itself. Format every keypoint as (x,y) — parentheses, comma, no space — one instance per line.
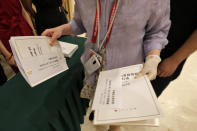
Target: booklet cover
(125,100)
(36,59)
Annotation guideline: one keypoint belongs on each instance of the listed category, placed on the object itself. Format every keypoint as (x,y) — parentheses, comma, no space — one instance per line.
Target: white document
(109,84)
(137,99)
(107,91)
(68,49)
(36,59)
(152,122)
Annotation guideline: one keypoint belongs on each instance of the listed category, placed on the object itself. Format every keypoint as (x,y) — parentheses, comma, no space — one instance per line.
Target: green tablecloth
(54,105)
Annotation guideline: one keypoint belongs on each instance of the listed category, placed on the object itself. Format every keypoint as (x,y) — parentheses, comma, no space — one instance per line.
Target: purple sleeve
(76,22)
(158,26)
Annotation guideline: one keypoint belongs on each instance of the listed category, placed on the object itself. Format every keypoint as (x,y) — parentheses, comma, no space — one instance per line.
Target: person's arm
(63,3)
(169,65)
(8,55)
(28,19)
(76,23)
(158,26)
(155,37)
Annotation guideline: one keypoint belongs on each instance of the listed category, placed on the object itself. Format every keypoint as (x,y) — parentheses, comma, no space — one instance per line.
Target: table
(54,105)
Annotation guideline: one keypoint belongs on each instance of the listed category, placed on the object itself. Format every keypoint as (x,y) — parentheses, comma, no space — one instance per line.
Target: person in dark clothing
(182,42)
(49,13)
(3,77)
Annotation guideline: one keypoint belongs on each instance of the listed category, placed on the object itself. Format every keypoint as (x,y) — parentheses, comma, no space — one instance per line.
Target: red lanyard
(97,22)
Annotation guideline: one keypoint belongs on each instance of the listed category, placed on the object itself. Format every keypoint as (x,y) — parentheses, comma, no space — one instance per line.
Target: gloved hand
(150,67)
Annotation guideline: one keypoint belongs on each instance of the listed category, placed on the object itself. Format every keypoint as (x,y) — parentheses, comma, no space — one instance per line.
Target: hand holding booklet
(36,59)
(120,99)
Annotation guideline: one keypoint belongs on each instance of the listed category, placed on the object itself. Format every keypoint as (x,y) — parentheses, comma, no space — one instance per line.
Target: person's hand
(167,67)
(54,33)
(150,67)
(10,60)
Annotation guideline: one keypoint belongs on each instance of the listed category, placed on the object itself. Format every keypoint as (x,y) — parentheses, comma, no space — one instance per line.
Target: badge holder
(92,65)
(99,57)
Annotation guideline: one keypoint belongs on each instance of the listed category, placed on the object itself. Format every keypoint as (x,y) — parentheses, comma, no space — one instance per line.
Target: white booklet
(152,122)
(110,83)
(68,49)
(36,59)
(134,100)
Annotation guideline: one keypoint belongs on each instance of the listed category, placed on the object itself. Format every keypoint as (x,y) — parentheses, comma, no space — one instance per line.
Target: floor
(178,101)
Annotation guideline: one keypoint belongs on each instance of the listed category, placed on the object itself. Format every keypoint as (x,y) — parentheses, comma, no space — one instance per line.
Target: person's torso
(12,23)
(10,8)
(50,13)
(125,46)
(44,4)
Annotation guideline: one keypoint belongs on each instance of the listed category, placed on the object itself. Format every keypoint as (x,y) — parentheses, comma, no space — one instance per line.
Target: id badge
(99,57)
(92,65)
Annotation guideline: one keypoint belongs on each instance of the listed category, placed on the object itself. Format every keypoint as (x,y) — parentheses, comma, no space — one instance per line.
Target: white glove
(150,67)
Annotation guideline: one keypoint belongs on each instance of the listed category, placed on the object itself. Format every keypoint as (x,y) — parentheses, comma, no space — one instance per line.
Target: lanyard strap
(96,31)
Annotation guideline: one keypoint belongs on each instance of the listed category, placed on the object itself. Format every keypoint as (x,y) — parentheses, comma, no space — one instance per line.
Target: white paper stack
(68,49)
(36,59)
(122,100)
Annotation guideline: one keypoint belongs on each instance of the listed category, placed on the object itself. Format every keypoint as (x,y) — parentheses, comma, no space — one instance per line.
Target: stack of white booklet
(68,49)
(122,100)
(36,59)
